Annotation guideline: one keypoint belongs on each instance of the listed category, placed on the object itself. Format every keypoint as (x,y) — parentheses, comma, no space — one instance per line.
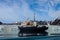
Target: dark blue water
(34,38)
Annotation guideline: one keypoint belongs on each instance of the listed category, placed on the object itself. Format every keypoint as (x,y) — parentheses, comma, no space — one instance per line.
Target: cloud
(20,10)
(50,9)
(54,12)
(15,12)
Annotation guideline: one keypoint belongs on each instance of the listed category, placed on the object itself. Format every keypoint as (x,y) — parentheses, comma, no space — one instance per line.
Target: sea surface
(12,32)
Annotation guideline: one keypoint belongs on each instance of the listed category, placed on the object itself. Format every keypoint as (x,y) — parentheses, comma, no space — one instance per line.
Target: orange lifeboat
(28,23)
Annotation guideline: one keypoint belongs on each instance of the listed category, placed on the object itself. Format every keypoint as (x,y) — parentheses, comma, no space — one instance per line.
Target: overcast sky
(21,10)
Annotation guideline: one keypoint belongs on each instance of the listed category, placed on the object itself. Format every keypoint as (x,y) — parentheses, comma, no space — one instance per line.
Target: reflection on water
(13,31)
(32,34)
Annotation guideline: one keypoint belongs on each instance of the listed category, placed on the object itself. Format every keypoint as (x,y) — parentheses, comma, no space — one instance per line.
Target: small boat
(31,27)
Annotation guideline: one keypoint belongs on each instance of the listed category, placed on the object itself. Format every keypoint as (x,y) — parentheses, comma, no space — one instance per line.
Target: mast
(34,16)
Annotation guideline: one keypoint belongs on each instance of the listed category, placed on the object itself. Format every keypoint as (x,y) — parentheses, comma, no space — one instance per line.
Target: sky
(21,10)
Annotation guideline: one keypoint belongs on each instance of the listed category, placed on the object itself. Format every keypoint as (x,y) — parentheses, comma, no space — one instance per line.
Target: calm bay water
(12,31)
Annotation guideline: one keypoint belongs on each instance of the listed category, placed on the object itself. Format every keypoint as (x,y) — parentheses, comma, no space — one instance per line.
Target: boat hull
(32,29)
